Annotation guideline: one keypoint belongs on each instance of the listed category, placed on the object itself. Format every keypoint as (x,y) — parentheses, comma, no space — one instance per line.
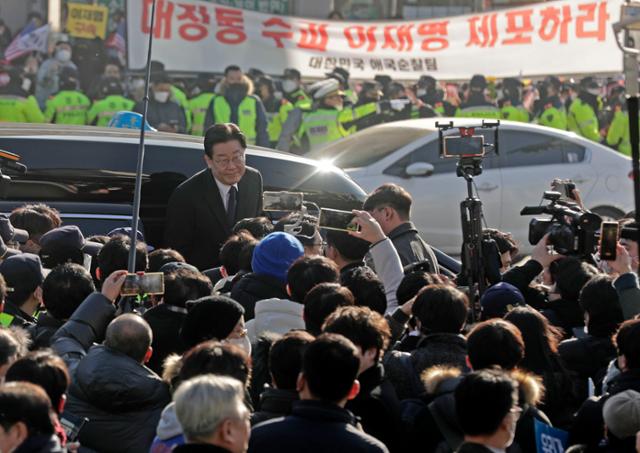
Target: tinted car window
(430,153)
(369,146)
(520,149)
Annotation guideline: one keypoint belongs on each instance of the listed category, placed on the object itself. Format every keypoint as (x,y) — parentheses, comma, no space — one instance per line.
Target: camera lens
(562,238)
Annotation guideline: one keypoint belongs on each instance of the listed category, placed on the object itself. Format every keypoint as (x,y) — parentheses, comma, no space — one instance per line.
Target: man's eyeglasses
(224,163)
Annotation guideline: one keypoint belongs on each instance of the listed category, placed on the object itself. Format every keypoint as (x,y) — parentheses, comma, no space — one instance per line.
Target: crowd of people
(80,84)
(293,338)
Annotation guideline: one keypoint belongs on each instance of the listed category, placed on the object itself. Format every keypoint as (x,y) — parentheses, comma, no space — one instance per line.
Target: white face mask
(161,96)
(421,92)
(277,95)
(289,86)
(26,84)
(243,343)
(63,55)
(594,91)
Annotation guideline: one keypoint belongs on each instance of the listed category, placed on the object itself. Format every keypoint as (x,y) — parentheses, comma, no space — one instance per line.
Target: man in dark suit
(203,209)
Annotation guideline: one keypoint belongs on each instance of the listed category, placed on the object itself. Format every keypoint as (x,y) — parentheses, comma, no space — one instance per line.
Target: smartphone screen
(139,284)
(72,425)
(332,219)
(608,240)
(282,201)
(455,146)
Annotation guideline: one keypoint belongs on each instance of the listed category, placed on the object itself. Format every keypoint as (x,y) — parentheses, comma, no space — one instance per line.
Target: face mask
(63,55)
(594,91)
(161,96)
(26,84)
(289,86)
(244,343)
(277,95)
(421,92)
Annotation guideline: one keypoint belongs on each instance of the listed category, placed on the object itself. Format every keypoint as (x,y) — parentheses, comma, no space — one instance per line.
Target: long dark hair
(540,340)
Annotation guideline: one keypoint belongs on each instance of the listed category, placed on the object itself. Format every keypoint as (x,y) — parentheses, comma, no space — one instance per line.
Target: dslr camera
(572,230)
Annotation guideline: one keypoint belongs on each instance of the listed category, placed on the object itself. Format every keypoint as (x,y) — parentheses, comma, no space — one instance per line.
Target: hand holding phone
(609,232)
(369,228)
(282,201)
(333,219)
(151,283)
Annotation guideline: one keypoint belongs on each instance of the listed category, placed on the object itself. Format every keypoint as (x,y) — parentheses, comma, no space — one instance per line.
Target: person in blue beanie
(500,299)
(271,260)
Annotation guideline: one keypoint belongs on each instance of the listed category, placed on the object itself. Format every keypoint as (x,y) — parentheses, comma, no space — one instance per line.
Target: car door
(437,196)
(530,160)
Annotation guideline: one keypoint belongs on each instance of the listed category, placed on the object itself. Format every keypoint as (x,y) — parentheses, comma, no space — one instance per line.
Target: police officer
(551,111)
(237,104)
(618,134)
(294,97)
(369,92)
(477,105)
(342,76)
(203,94)
(113,101)
(68,106)
(510,104)
(177,95)
(329,120)
(583,113)
(15,104)
(428,93)
(266,91)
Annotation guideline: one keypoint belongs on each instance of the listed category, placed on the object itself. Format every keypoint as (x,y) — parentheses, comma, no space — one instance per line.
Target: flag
(29,39)
(116,39)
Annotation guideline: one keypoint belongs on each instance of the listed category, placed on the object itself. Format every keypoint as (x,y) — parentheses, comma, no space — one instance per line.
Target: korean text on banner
(557,37)
(87,21)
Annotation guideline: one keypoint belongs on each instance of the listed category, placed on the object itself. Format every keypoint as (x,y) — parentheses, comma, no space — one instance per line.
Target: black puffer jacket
(254,287)
(42,332)
(121,398)
(586,358)
(435,349)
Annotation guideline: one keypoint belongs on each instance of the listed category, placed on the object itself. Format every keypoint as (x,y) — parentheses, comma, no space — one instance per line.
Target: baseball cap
(176,266)
(23,274)
(621,414)
(69,236)
(499,300)
(11,234)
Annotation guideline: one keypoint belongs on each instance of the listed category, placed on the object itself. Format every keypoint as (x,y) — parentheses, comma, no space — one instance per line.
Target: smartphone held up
(151,283)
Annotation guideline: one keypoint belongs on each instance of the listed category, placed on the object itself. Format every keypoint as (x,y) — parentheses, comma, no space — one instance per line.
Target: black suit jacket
(197,221)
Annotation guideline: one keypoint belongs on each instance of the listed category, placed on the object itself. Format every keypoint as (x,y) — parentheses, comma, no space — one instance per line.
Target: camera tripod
(471,216)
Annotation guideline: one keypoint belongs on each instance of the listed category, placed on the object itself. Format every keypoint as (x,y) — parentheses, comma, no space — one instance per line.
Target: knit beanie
(275,253)
(499,300)
(210,317)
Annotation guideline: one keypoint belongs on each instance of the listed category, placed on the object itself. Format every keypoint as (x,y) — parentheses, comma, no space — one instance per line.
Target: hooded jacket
(277,316)
(168,433)
(254,287)
(121,398)
(432,418)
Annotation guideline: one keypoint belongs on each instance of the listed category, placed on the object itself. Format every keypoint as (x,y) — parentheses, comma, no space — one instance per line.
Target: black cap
(512,82)
(23,274)
(554,82)
(342,72)
(427,81)
(11,234)
(70,237)
(291,73)
(160,77)
(210,317)
(589,82)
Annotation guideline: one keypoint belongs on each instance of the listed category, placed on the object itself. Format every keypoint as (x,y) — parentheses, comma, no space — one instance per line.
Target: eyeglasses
(224,163)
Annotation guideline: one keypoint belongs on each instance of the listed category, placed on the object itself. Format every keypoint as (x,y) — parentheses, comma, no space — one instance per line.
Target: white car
(531,156)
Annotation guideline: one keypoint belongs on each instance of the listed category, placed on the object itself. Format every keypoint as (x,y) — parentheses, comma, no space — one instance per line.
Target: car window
(368,146)
(519,148)
(430,153)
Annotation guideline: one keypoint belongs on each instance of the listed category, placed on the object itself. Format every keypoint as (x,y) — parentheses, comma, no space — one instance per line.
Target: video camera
(572,230)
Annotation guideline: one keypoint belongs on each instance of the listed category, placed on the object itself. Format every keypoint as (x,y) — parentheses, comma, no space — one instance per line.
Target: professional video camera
(572,230)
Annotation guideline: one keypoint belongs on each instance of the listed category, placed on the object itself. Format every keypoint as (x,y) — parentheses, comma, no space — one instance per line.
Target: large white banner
(560,37)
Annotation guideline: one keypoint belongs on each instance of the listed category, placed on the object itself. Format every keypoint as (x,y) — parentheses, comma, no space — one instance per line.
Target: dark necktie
(231,206)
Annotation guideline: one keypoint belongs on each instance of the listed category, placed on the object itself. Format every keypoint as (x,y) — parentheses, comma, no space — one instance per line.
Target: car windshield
(367,147)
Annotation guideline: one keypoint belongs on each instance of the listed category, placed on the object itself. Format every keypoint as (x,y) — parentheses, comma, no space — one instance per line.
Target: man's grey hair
(202,403)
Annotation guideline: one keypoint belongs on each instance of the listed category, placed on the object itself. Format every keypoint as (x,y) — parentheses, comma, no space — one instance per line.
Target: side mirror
(419,169)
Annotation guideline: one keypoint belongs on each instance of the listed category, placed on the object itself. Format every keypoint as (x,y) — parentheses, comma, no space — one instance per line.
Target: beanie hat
(210,317)
(499,300)
(275,253)
(621,414)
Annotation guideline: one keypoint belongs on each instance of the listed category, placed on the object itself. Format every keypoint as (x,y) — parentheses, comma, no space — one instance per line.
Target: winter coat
(378,408)
(586,358)
(433,418)
(40,444)
(254,287)
(168,433)
(121,398)
(566,314)
(274,403)
(165,322)
(313,427)
(411,247)
(275,315)
(629,293)
(435,349)
(44,329)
